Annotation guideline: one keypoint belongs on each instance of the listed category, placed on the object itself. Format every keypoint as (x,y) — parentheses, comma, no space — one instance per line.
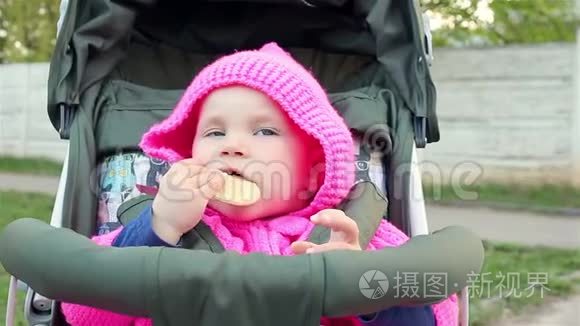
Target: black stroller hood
(96,36)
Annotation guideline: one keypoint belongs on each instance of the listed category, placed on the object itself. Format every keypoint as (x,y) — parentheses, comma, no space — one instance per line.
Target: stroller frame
(41,311)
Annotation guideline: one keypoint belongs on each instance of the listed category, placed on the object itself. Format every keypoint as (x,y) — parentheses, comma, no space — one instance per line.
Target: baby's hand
(343,235)
(184,192)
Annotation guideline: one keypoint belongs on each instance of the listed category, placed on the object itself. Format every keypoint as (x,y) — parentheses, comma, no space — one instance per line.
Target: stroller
(119,66)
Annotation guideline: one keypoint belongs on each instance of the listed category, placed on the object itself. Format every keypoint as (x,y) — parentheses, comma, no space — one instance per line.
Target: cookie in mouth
(237,190)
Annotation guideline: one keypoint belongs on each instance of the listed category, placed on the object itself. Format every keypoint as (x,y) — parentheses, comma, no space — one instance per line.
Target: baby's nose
(232,151)
(235,144)
(234,147)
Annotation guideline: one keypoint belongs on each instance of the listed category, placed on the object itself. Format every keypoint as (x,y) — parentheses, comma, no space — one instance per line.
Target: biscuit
(238,191)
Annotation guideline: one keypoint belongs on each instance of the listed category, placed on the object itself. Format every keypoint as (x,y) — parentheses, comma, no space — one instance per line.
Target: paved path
(28,183)
(557,313)
(510,226)
(521,228)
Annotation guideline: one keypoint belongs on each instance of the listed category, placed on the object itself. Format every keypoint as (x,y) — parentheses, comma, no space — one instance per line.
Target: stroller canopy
(96,36)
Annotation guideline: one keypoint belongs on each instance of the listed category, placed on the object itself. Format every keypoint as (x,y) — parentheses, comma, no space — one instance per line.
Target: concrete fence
(25,129)
(506,114)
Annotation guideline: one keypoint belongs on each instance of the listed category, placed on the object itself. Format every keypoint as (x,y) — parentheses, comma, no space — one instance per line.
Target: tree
(3,30)
(535,21)
(492,22)
(27,29)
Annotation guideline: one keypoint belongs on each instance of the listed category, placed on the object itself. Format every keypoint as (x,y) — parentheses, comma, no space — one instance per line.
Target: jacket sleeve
(139,232)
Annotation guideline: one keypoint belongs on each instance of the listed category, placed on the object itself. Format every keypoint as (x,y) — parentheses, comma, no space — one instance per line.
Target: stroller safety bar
(144,280)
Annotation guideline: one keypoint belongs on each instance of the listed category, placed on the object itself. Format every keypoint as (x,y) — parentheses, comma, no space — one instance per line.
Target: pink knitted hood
(275,73)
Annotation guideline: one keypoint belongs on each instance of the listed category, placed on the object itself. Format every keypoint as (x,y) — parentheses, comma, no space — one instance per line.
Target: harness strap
(365,204)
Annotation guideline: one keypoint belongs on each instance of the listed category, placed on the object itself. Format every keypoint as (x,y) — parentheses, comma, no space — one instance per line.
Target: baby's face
(242,131)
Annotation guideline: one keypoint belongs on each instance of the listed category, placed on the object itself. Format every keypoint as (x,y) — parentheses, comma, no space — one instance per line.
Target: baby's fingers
(206,183)
(329,246)
(212,182)
(300,247)
(187,168)
(343,227)
(180,174)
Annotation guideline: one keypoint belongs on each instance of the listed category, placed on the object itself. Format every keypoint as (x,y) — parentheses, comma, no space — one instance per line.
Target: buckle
(67,112)
(420,126)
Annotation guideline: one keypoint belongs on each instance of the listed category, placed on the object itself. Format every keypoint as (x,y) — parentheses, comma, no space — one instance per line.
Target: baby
(257,117)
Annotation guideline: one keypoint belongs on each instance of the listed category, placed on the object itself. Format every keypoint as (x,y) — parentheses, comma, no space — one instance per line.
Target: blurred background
(507,165)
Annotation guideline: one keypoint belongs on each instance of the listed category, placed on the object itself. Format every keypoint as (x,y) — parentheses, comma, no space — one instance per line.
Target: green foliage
(27,29)
(500,22)
(535,21)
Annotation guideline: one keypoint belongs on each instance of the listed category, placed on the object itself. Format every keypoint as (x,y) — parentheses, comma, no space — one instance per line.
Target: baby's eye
(214,133)
(266,132)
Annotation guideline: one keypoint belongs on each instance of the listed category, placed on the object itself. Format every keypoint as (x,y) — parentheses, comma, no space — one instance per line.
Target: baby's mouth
(238,190)
(234,172)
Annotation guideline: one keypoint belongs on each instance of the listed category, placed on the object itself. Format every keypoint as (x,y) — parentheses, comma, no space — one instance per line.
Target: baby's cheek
(196,150)
(201,153)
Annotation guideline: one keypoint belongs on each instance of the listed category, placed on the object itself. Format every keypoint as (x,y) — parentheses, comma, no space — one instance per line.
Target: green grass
(37,166)
(14,205)
(500,258)
(520,196)
(545,264)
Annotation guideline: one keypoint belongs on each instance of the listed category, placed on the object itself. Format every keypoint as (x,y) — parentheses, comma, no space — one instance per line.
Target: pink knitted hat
(275,73)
